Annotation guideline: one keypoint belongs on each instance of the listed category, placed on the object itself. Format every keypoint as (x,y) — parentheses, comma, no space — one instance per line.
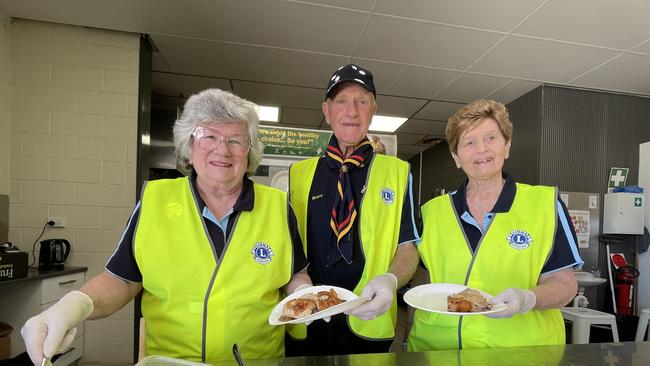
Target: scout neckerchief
(344,211)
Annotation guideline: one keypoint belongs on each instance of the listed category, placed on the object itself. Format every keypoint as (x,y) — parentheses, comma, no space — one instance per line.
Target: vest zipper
(471,263)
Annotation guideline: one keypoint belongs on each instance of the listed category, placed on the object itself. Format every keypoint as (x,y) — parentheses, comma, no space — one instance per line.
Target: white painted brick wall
(78,124)
(89,147)
(112,218)
(68,146)
(76,170)
(114,149)
(30,120)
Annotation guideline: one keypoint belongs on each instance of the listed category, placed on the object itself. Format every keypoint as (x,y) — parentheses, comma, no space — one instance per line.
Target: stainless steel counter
(595,354)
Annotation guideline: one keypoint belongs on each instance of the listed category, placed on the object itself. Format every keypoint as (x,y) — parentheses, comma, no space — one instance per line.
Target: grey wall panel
(439,172)
(628,126)
(573,139)
(526,117)
(584,133)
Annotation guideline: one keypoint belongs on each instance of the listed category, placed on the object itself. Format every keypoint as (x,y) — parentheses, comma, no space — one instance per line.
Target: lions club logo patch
(519,239)
(262,253)
(387,195)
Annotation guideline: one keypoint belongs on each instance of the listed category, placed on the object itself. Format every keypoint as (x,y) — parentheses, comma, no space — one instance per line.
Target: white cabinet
(24,298)
(623,213)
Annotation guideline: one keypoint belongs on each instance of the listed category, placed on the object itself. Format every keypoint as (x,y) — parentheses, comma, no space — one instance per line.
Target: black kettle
(54,253)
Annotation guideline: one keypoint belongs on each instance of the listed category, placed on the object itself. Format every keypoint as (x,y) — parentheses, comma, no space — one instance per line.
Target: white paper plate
(433,297)
(281,180)
(351,301)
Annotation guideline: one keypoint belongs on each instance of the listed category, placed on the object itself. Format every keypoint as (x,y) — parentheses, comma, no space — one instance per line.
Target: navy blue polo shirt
(565,250)
(320,235)
(123,265)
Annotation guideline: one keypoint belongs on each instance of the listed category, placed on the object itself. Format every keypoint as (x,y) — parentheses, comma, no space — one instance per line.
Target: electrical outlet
(59,221)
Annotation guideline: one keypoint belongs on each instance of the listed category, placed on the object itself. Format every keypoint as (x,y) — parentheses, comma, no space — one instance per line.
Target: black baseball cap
(351,72)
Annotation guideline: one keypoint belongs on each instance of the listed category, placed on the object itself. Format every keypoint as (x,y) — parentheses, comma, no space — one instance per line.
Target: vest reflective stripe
(379,224)
(500,262)
(197,305)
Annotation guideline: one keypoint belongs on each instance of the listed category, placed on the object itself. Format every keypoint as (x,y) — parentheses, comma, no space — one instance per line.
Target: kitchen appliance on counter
(13,262)
(53,254)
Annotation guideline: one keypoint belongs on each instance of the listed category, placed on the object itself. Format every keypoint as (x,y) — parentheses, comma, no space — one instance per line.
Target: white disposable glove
(517,301)
(52,331)
(380,290)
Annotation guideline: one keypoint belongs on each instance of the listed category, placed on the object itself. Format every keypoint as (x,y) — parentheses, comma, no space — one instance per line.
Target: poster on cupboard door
(644,258)
(584,209)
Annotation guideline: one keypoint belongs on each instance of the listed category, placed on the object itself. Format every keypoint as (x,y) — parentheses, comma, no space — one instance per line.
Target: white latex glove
(52,331)
(380,290)
(517,301)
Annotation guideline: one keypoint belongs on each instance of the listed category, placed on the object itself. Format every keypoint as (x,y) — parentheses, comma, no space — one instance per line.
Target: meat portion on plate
(297,308)
(327,299)
(308,304)
(467,301)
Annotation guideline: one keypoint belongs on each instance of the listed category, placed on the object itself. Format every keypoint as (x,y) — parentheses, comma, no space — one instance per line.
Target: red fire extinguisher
(625,277)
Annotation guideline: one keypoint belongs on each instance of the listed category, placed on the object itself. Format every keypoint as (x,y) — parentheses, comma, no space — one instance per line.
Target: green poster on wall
(283,141)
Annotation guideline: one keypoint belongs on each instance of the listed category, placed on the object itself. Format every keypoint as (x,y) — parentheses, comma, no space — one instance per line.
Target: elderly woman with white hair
(211,251)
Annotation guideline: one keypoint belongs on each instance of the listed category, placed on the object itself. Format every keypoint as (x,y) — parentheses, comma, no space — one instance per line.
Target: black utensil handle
(59,355)
(237,355)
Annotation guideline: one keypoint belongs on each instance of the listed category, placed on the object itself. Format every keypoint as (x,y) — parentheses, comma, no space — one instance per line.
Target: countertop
(594,354)
(34,274)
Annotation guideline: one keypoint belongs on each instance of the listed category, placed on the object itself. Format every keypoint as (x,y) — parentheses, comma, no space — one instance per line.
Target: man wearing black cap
(356,217)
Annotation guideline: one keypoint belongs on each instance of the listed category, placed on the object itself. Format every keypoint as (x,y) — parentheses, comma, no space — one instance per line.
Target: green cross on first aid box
(617,177)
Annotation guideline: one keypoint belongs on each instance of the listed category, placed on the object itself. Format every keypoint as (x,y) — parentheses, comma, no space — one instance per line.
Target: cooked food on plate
(297,308)
(327,299)
(308,304)
(467,301)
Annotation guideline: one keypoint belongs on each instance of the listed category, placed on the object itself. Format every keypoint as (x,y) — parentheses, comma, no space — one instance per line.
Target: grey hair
(216,106)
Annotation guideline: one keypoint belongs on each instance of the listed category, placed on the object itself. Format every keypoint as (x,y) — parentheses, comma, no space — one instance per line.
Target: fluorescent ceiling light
(386,123)
(268,114)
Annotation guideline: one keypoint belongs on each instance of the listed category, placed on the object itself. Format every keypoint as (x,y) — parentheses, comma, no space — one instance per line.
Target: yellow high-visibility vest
(379,226)
(196,305)
(511,253)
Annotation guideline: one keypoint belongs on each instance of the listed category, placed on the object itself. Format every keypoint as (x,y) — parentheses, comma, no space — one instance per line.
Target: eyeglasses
(210,140)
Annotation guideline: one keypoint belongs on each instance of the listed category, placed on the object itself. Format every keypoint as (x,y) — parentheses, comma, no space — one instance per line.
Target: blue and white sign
(387,195)
(519,239)
(262,253)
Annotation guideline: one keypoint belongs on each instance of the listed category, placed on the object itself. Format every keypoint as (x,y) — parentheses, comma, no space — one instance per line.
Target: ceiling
(429,56)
